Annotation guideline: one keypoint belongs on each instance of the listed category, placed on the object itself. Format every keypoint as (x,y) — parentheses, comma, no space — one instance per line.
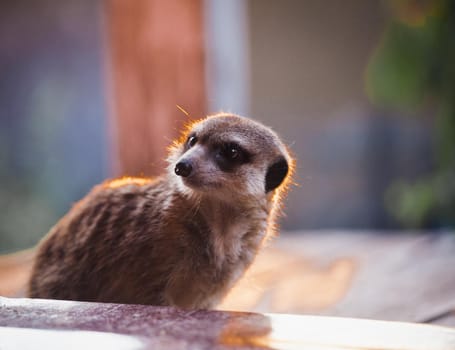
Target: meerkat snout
(183,168)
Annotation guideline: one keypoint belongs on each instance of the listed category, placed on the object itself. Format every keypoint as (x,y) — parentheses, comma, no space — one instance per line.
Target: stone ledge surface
(52,324)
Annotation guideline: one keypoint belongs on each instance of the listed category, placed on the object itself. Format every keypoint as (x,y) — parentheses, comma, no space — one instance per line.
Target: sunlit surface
(312,332)
(57,305)
(282,281)
(24,339)
(54,324)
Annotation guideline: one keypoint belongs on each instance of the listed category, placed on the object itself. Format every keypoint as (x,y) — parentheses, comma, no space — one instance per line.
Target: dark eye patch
(230,155)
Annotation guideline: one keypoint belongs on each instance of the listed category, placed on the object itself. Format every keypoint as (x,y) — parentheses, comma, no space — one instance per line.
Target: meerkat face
(230,156)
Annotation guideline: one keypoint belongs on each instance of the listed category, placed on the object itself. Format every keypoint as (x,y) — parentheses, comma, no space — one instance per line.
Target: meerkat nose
(183,168)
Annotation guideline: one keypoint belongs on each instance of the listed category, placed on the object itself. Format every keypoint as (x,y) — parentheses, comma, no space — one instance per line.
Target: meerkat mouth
(201,185)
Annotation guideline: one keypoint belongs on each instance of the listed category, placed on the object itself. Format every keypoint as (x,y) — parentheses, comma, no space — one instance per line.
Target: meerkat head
(229,156)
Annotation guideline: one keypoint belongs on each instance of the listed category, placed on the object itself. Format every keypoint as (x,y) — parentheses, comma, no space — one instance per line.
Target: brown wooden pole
(156,61)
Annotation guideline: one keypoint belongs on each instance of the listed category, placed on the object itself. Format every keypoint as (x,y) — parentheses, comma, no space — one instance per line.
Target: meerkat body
(182,239)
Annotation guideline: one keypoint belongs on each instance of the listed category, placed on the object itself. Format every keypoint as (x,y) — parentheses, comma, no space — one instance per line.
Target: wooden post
(156,59)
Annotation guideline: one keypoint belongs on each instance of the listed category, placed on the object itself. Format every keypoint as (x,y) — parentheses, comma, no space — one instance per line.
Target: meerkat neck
(228,207)
(222,216)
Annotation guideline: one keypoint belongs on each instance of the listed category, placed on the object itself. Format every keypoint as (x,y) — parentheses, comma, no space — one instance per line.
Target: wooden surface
(50,324)
(14,272)
(400,277)
(392,276)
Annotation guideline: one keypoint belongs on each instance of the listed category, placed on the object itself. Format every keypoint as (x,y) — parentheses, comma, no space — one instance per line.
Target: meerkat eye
(233,152)
(191,141)
(230,155)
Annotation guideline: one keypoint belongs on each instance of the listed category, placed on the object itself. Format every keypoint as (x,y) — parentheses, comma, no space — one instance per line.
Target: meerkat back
(182,239)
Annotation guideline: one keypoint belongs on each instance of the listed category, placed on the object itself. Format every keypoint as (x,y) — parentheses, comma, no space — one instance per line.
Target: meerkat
(182,239)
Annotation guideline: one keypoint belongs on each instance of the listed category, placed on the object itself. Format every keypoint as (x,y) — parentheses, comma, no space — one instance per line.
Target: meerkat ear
(276,174)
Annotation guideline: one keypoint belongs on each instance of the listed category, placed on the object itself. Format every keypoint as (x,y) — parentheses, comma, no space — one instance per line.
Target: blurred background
(362,91)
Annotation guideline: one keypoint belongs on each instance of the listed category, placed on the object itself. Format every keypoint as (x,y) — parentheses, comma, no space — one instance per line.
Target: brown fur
(171,240)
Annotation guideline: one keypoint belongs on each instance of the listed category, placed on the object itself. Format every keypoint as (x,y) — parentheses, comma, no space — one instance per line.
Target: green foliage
(426,202)
(415,64)
(398,71)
